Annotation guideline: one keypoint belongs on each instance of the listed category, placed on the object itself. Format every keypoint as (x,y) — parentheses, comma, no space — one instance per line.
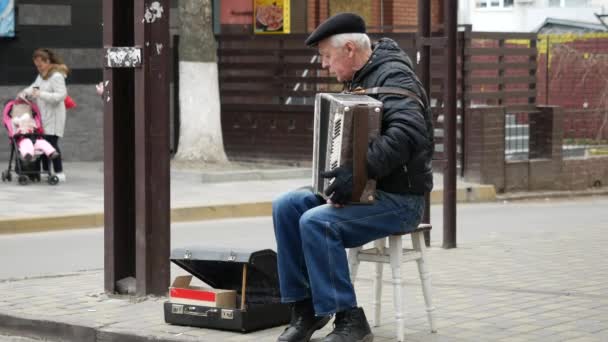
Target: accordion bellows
(344,125)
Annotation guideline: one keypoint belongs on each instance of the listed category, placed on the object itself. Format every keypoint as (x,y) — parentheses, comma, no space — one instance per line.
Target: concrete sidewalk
(547,283)
(197,193)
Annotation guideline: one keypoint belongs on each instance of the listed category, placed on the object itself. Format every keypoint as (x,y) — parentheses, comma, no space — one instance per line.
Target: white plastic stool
(395,257)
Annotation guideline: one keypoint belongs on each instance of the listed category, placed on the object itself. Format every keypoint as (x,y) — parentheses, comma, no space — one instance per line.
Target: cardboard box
(183,293)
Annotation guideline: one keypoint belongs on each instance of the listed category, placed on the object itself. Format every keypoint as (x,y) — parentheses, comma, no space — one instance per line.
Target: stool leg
(425,278)
(377,286)
(353,261)
(395,246)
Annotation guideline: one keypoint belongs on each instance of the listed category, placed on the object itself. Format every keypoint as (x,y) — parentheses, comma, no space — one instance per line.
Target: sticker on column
(123,57)
(154,12)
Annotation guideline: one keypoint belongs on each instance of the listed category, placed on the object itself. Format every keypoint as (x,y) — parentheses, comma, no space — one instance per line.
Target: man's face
(339,61)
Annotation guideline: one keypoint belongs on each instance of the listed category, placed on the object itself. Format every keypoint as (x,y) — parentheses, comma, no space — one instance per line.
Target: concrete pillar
(546,136)
(484,146)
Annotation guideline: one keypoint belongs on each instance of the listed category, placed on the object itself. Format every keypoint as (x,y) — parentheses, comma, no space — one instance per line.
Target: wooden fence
(268,83)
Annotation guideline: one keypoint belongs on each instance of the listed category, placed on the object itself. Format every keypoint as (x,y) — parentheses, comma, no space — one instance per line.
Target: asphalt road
(43,254)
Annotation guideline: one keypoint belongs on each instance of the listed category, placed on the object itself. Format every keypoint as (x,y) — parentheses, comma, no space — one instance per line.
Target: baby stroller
(26,171)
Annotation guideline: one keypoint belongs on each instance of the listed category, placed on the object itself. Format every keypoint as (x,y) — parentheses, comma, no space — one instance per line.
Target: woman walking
(49,92)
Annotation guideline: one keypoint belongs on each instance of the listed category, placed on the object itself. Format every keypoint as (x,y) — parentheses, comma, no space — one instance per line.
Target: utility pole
(424,73)
(450,124)
(136,145)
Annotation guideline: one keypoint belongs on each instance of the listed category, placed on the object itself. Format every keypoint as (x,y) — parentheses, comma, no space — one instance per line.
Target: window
(493,3)
(576,3)
(568,3)
(7,18)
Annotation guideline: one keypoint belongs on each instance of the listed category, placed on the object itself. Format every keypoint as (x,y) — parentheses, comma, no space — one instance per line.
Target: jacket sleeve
(58,90)
(403,127)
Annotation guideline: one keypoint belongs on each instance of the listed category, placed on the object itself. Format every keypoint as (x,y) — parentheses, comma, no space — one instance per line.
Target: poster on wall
(7,18)
(271,16)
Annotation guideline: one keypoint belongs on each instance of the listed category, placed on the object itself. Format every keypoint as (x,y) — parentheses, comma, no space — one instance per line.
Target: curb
(249,175)
(36,328)
(478,193)
(470,194)
(551,194)
(45,329)
(94,220)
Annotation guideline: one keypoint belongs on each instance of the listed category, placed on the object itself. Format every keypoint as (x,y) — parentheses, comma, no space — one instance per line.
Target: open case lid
(222,268)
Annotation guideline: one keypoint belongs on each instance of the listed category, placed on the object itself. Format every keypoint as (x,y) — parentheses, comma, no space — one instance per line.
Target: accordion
(344,125)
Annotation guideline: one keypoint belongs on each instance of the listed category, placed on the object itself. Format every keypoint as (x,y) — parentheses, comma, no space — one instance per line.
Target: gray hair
(359,39)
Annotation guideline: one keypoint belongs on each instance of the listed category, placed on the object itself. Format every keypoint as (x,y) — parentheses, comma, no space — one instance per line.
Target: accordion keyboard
(336,141)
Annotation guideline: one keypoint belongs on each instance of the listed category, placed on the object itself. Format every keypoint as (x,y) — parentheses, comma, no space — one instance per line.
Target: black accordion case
(251,274)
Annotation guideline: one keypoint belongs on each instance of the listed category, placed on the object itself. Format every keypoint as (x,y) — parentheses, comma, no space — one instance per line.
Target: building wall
(524,16)
(402,14)
(236,12)
(73,29)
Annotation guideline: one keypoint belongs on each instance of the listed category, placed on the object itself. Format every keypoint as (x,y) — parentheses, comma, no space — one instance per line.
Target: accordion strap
(389,90)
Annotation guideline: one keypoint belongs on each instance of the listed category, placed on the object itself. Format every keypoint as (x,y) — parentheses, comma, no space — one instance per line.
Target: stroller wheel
(23,180)
(53,180)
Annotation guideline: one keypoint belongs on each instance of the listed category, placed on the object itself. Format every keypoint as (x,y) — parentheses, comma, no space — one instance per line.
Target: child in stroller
(22,121)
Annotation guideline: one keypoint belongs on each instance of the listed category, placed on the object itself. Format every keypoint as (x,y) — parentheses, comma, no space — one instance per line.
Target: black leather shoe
(303,323)
(350,326)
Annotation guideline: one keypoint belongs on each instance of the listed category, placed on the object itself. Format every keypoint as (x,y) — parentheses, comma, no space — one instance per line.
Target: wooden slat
(499,80)
(269,66)
(433,42)
(503,35)
(252,37)
(500,94)
(266,108)
(252,52)
(499,66)
(278,78)
(503,51)
(269,91)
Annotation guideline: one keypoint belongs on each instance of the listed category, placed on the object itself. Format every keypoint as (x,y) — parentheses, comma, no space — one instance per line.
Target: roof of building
(554,25)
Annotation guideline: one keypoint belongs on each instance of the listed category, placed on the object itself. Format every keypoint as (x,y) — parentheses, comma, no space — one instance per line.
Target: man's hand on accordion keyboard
(341,189)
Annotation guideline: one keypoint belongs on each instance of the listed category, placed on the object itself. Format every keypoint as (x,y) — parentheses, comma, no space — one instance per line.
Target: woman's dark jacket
(399,158)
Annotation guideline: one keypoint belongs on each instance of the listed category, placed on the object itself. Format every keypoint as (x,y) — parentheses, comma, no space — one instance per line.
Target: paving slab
(518,292)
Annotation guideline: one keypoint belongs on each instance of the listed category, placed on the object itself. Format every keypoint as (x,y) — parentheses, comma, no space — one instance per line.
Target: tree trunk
(201,130)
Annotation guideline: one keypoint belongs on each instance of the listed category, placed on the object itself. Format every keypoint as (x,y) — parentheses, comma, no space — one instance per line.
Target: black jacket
(400,158)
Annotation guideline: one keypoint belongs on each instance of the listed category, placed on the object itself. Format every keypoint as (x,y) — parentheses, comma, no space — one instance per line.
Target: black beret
(339,23)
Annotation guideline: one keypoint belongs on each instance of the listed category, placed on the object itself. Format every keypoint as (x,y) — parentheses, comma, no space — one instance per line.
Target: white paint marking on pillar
(159,48)
(154,12)
(199,98)
(106,84)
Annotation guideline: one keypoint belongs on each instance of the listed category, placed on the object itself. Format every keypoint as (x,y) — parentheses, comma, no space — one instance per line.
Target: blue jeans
(312,237)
